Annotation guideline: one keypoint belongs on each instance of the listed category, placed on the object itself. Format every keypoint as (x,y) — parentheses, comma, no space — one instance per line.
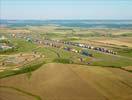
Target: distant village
(66,45)
(5,44)
(55,43)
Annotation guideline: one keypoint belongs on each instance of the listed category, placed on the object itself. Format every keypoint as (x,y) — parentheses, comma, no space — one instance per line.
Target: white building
(3,38)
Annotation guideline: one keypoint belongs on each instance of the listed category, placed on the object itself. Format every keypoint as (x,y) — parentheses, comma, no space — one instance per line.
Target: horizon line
(64,19)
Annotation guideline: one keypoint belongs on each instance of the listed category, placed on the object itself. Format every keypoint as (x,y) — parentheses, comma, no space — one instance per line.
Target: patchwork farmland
(57,62)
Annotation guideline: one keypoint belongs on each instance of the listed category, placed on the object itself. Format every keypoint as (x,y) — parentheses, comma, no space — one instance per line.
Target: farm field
(69,82)
(58,62)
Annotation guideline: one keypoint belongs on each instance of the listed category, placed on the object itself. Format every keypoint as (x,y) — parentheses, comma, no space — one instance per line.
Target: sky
(66,9)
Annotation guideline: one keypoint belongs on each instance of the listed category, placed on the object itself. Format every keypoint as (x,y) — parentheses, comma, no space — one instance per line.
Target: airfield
(65,63)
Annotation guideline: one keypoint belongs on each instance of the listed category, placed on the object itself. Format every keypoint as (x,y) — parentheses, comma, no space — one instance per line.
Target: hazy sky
(66,9)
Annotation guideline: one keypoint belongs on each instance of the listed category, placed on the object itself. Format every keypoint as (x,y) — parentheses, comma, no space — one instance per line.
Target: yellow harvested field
(71,82)
(128,68)
(5,30)
(116,42)
(125,39)
(42,28)
(13,95)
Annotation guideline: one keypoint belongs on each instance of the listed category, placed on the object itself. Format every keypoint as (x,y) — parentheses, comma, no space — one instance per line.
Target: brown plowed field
(70,82)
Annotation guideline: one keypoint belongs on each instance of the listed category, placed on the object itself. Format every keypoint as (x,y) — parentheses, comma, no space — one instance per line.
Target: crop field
(14,31)
(69,82)
(54,62)
(118,42)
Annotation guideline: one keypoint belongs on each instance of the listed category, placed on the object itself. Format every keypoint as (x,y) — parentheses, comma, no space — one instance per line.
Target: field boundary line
(22,91)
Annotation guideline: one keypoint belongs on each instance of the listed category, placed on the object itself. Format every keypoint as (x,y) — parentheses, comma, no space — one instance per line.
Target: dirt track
(72,82)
